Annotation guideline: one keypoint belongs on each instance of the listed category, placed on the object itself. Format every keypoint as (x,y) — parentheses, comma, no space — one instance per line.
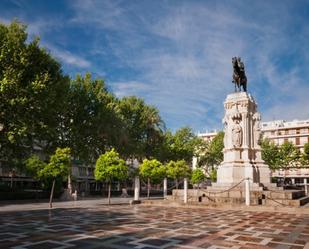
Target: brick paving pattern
(123,226)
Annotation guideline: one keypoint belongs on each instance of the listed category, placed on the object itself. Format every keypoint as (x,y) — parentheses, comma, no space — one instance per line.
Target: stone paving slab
(93,225)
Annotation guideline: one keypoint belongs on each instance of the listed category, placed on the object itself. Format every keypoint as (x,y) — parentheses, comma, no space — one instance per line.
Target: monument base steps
(236,196)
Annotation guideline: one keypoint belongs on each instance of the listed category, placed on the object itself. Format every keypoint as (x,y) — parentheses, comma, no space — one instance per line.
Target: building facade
(280,131)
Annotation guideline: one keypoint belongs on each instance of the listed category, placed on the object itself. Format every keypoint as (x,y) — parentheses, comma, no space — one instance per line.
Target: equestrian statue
(239,75)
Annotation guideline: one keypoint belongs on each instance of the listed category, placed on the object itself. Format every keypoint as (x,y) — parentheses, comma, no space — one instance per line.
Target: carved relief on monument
(236,130)
(257,129)
(237,134)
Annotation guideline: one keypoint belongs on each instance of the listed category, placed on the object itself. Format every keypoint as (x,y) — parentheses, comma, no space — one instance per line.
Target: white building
(280,131)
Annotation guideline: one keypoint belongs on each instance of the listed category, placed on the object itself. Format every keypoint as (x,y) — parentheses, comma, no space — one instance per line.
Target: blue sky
(177,54)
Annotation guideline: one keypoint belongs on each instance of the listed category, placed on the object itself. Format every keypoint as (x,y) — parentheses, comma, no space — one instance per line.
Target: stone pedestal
(242,152)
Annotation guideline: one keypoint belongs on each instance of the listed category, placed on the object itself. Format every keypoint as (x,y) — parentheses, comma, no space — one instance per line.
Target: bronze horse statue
(239,75)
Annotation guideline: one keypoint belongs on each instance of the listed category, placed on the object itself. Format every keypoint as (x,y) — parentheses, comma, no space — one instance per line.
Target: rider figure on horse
(239,75)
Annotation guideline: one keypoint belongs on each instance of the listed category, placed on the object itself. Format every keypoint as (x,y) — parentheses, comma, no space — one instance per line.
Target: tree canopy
(179,146)
(211,153)
(177,170)
(59,166)
(142,128)
(153,170)
(197,176)
(32,87)
(270,153)
(42,108)
(305,156)
(110,167)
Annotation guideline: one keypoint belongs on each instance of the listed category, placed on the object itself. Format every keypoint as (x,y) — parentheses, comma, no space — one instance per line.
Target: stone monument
(242,177)
(242,134)
(242,152)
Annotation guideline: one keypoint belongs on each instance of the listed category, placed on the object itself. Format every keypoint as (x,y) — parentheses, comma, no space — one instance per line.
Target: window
(303,140)
(297,142)
(82,171)
(280,141)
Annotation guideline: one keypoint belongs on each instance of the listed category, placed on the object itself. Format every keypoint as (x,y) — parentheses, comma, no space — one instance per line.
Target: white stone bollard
(247,191)
(165,188)
(136,188)
(185,191)
(306,186)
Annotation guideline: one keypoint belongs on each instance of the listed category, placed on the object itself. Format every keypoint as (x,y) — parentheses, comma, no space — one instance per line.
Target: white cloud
(129,88)
(69,58)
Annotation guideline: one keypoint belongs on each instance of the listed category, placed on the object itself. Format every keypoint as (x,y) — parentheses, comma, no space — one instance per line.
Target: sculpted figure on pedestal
(239,75)
(237,134)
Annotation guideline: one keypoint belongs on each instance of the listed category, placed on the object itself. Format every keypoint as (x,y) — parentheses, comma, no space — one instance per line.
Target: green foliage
(284,156)
(58,166)
(34,166)
(153,170)
(179,146)
(305,156)
(289,155)
(197,176)
(213,174)
(88,123)
(41,107)
(110,166)
(31,91)
(178,169)
(142,128)
(270,153)
(213,153)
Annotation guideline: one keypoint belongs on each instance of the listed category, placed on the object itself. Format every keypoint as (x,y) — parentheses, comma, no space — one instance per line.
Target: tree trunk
(148,188)
(51,194)
(176,183)
(109,193)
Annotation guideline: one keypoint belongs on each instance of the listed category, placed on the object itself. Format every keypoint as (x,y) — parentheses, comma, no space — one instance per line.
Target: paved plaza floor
(93,224)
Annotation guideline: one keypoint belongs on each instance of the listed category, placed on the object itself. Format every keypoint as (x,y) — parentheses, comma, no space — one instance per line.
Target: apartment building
(280,131)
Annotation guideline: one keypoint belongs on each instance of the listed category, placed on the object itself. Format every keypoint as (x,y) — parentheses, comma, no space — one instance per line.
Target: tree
(270,154)
(58,166)
(110,167)
(288,155)
(212,155)
(142,128)
(153,171)
(34,166)
(32,87)
(197,177)
(177,170)
(305,155)
(88,123)
(179,146)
